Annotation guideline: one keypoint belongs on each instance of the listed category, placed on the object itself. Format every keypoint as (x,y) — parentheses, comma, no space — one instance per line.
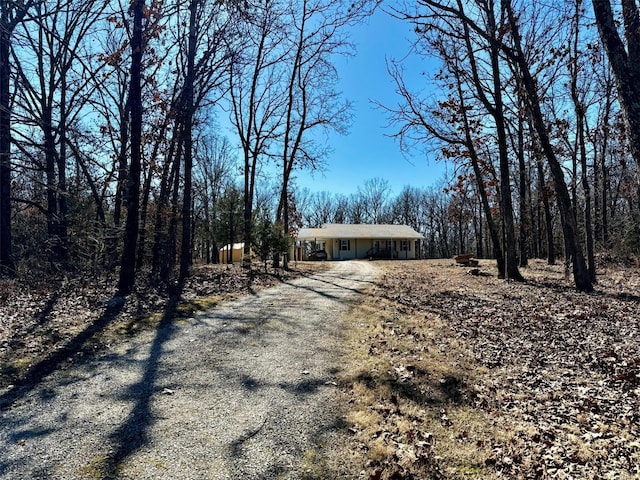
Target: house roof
(362,230)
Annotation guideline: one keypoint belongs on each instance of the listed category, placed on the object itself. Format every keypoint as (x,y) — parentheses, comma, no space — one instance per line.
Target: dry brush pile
(460,376)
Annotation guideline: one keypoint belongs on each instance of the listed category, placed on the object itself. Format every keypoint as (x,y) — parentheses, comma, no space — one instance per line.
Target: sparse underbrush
(458,376)
(444,375)
(75,316)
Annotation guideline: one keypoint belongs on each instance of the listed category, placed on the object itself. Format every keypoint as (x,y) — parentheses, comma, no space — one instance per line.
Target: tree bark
(551,251)
(6,261)
(121,179)
(169,169)
(128,263)
(522,187)
(511,260)
(496,110)
(581,147)
(581,275)
(188,111)
(626,67)
(7,25)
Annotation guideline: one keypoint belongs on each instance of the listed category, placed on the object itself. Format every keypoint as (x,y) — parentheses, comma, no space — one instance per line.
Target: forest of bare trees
(536,105)
(112,160)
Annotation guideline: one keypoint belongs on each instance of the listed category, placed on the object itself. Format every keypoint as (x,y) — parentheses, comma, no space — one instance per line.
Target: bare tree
(624,58)
(510,46)
(312,102)
(452,124)
(127,266)
(374,195)
(581,274)
(494,104)
(11,15)
(187,119)
(51,100)
(256,98)
(579,92)
(203,74)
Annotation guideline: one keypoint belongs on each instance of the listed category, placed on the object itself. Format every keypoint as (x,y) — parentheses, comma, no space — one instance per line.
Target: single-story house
(350,241)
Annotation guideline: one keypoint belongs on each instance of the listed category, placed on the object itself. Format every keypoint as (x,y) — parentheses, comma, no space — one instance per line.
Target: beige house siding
(359,241)
(237,251)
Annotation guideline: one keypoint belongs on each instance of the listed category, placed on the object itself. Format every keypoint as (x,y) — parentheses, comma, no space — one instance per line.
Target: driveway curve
(244,391)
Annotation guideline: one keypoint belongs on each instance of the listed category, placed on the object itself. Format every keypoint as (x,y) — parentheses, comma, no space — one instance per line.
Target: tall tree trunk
(506,203)
(7,25)
(207,225)
(524,216)
(169,169)
(605,201)
(551,250)
(185,253)
(128,263)
(591,259)
(290,151)
(581,147)
(6,261)
(625,64)
(172,234)
(496,110)
(51,181)
(597,191)
(250,172)
(493,228)
(121,181)
(581,275)
(144,209)
(604,147)
(582,152)
(63,213)
(477,228)
(461,242)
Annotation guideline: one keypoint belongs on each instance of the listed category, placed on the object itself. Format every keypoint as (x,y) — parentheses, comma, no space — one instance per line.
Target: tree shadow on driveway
(132,435)
(37,373)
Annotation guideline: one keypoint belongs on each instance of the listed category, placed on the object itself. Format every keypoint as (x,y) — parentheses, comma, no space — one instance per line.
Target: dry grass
(407,394)
(441,379)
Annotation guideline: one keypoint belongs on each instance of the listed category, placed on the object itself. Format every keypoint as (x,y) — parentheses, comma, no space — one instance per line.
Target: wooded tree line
(539,112)
(110,152)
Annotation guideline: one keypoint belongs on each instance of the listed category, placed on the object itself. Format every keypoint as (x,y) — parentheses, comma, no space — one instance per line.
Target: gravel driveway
(244,391)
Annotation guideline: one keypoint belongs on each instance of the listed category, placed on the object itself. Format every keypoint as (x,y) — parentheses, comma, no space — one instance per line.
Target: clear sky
(366,152)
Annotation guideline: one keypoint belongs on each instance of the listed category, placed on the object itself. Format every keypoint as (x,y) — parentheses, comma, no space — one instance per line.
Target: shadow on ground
(132,435)
(57,359)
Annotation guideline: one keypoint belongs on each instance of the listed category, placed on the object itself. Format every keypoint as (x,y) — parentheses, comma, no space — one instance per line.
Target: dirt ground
(437,373)
(244,390)
(463,376)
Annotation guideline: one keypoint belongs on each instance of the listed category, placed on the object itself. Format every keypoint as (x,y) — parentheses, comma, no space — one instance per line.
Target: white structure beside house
(350,241)
(231,253)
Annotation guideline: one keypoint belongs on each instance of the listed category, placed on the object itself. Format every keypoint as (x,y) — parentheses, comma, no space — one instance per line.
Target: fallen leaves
(36,320)
(547,378)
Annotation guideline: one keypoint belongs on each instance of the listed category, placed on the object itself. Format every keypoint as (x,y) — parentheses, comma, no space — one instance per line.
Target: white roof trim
(362,230)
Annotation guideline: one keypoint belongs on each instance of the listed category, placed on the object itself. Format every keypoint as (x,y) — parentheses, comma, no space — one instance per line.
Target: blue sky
(366,152)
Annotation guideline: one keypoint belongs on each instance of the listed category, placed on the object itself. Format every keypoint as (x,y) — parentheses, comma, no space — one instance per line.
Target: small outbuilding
(351,241)
(231,253)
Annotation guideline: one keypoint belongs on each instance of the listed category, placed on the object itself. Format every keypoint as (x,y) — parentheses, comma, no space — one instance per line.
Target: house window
(405,246)
(376,246)
(345,245)
(391,244)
